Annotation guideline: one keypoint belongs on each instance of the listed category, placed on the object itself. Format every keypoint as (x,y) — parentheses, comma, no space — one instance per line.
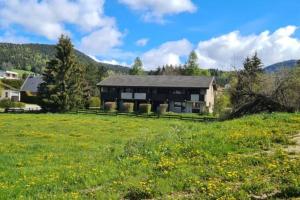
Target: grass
(50,156)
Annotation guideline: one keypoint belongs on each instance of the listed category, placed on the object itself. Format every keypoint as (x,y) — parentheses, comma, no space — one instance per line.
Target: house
(8,75)
(8,92)
(182,93)
(29,89)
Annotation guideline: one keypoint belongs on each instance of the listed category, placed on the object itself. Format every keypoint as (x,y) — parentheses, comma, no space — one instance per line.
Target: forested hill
(33,57)
(289,64)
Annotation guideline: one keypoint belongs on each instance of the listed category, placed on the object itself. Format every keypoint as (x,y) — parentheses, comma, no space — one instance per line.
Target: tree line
(191,68)
(251,90)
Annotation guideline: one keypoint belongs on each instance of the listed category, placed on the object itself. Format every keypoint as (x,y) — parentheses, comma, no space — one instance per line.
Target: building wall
(10,94)
(210,98)
(196,100)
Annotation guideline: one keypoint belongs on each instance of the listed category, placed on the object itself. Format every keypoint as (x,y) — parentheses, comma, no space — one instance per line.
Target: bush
(110,106)
(138,193)
(127,107)
(162,109)
(145,108)
(7,103)
(94,102)
(222,105)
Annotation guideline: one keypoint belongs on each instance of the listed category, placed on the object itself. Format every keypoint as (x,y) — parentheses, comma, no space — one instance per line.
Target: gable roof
(158,81)
(32,83)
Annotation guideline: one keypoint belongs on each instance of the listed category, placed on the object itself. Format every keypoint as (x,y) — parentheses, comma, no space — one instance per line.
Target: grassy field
(104,157)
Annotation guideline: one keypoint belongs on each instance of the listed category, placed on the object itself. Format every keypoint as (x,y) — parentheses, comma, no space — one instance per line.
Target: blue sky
(161,32)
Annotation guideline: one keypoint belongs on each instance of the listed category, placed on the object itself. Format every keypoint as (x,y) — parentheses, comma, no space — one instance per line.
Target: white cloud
(48,18)
(11,37)
(115,62)
(168,53)
(155,10)
(231,49)
(101,41)
(142,42)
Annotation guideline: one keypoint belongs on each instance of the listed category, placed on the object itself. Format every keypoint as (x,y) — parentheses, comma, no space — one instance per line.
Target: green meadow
(52,156)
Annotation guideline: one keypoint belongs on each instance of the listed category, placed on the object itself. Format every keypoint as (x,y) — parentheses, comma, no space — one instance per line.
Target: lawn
(50,156)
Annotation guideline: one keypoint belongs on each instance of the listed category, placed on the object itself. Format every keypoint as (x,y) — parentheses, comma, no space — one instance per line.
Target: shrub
(127,107)
(162,109)
(94,102)
(138,193)
(19,105)
(222,105)
(145,108)
(110,106)
(7,103)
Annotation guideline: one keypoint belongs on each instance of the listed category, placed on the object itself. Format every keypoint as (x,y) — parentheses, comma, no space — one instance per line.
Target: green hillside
(34,57)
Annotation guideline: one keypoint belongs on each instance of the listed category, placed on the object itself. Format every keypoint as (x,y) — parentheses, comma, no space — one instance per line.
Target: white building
(8,92)
(8,75)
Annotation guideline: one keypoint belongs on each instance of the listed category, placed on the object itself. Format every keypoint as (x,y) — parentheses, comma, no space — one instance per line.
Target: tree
(63,86)
(137,68)
(192,66)
(222,104)
(253,91)
(247,81)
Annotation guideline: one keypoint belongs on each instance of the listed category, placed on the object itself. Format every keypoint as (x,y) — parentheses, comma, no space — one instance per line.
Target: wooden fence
(152,115)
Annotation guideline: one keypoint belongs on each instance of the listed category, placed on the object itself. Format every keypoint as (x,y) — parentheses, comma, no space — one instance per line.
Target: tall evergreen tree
(253,66)
(63,86)
(247,81)
(192,66)
(137,68)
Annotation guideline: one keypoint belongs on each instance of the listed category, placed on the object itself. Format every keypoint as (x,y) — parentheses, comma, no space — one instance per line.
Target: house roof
(31,84)
(158,81)
(8,86)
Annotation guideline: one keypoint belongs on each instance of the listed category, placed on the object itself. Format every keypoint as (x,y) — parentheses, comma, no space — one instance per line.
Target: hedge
(162,109)
(145,108)
(94,102)
(7,103)
(127,107)
(110,106)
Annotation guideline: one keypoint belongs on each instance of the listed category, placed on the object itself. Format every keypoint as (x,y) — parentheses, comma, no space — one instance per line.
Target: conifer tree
(62,89)
(192,66)
(137,68)
(247,81)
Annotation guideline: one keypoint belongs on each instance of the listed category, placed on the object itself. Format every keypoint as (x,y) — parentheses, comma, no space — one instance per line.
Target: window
(178,92)
(6,94)
(195,97)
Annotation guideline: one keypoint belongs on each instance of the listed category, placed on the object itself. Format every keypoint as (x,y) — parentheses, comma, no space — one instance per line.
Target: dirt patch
(295,148)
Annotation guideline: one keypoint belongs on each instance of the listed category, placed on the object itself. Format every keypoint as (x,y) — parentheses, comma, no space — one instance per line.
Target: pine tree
(137,68)
(253,66)
(247,81)
(62,89)
(192,66)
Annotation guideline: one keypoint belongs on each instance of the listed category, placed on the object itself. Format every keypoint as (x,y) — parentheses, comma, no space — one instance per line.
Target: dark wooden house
(182,93)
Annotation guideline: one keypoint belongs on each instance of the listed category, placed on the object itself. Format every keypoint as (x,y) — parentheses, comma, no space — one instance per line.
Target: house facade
(183,94)
(8,75)
(8,92)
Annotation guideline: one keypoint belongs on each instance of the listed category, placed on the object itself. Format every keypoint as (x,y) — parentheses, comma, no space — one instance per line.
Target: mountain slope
(33,57)
(289,64)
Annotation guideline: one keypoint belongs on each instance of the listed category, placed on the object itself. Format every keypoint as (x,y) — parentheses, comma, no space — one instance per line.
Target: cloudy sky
(161,32)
